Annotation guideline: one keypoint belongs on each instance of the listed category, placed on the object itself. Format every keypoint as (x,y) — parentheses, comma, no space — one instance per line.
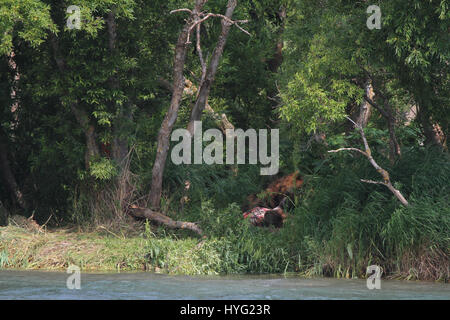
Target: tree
(29,21)
(196,17)
(406,62)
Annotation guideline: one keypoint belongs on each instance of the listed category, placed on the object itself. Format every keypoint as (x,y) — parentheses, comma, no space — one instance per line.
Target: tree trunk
(119,143)
(277,59)
(394,147)
(388,114)
(171,115)
(15,106)
(365,109)
(178,87)
(208,80)
(3,215)
(7,173)
(92,149)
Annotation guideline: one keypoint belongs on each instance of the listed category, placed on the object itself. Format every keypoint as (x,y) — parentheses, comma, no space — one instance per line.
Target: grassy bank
(240,249)
(56,250)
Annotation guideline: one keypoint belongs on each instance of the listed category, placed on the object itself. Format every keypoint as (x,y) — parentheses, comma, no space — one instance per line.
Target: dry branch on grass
(368,154)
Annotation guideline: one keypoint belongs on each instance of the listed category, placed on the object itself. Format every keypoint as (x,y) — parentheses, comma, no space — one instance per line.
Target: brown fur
(276,191)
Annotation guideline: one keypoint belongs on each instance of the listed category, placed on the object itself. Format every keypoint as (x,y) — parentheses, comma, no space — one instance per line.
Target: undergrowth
(339,227)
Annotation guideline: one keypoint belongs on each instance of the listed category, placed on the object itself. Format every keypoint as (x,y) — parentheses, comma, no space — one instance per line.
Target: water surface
(52,285)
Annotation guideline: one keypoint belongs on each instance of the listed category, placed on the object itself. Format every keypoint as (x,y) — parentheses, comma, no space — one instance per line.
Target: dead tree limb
(368,154)
(160,218)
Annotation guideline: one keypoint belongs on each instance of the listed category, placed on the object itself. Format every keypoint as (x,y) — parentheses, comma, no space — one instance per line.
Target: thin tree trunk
(7,173)
(387,113)
(394,147)
(171,115)
(365,107)
(119,143)
(277,59)
(3,215)
(208,79)
(15,106)
(92,149)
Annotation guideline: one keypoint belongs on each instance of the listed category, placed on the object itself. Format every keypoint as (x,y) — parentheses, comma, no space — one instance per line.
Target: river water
(52,285)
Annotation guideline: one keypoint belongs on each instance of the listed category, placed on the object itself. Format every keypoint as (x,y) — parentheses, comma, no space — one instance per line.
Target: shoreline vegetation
(336,226)
(25,250)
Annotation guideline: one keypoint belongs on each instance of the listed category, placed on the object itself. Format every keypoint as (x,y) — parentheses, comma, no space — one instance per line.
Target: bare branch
(216,15)
(373,182)
(181,10)
(350,119)
(368,154)
(348,149)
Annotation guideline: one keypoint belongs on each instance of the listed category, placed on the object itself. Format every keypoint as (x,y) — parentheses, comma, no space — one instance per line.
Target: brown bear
(275,192)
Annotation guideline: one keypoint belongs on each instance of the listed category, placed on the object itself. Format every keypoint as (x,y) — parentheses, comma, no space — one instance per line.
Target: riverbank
(98,251)
(22,248)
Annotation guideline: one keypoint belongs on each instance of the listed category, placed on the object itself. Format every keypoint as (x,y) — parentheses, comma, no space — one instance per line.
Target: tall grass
(342,226)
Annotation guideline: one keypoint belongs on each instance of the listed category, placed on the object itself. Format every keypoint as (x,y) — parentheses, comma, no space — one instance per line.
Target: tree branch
(368,154)
(216,15)
(372,182)
(376,106)
(348,149)
(205,16)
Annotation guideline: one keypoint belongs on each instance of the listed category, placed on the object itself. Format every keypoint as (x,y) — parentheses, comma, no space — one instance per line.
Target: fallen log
(160,218)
